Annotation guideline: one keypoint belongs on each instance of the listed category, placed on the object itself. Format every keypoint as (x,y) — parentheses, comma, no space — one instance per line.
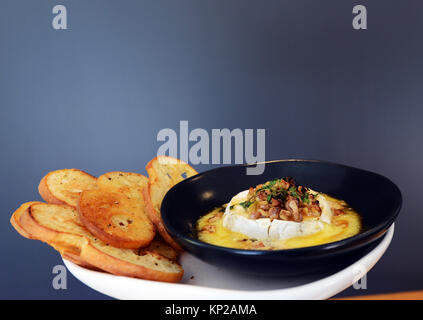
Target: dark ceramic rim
(354,241)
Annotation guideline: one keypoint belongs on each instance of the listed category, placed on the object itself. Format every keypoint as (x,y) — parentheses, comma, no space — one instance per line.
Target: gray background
(94,97)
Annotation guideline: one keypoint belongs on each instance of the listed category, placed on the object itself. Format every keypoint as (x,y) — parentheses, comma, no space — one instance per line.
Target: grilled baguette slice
(64,186)
(129,183)
(125,262)
(55,225)
(60,226)
(68,245)
(116,218)
(72,254)
(163,173)
(14,220)
(161,247)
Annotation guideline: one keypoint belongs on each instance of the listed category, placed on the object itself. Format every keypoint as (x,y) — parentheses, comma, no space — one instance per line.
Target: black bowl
(376,198)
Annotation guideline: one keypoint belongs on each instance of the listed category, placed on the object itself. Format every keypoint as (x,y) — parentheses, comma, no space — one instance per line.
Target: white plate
(204,281)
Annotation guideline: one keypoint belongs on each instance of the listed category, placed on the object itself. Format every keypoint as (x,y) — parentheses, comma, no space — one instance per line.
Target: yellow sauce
(211,230)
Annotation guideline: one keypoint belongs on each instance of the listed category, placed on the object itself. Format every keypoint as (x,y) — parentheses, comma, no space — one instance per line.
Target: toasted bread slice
(14,220)
(55,224)
(156,218)
(72,254)
(129,183)
(122,232)
(125,262)
(51,231)
(75,259)
(59,225)
(64,186)
(160,247)
(115,218)
(163,173)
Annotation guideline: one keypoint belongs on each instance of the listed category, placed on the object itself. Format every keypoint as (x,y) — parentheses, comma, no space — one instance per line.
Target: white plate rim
(126,288)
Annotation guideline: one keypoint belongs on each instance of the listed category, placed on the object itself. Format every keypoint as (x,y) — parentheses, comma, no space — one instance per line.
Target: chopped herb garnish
(276,193)
(273,182)
(231,207)
(268,185)
(246,204)
(293,192)
(280,194)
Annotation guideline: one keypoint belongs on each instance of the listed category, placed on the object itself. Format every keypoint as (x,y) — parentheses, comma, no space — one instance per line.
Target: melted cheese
(236,219)
(211,229)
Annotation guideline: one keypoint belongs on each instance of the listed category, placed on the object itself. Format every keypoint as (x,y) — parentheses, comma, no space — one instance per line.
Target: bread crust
(14,220)
(72,254)
(123,268)
(158,222)
(45,192)
(78,261)
(45,234)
